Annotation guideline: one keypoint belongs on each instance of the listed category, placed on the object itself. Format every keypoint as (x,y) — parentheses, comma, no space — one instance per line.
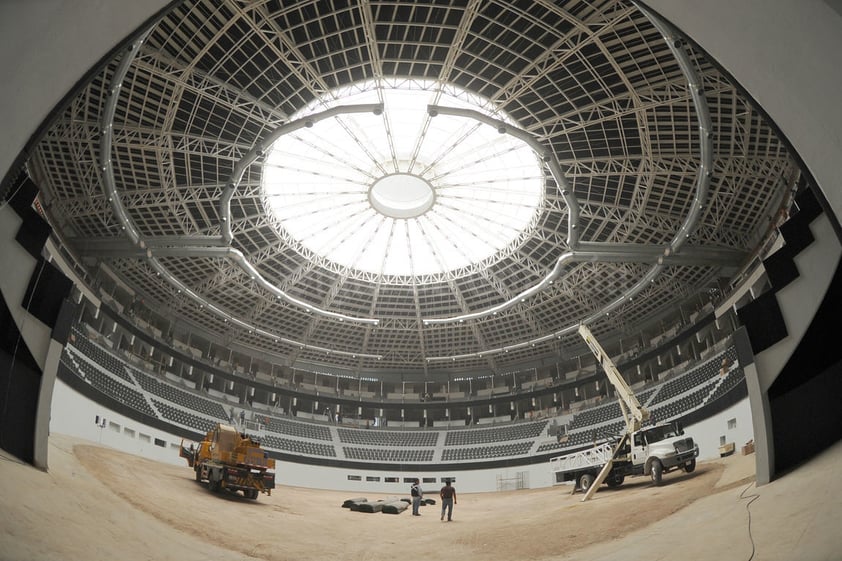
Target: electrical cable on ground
(748,510)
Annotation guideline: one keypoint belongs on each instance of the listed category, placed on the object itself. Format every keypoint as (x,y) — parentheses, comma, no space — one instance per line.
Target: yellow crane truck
(229,460)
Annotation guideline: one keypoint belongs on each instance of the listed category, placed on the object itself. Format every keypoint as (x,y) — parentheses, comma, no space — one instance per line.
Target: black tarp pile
(391,505)
(354,504)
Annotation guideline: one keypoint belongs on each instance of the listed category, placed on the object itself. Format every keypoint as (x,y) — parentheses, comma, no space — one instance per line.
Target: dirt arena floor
(97,503)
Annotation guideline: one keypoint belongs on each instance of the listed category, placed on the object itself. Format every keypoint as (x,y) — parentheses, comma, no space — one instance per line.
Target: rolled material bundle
(395,507)
(375,506)
(350,503)
(429,501)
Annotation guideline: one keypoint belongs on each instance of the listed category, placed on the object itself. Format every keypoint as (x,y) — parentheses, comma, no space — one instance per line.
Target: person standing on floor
(448,499)
(417,494)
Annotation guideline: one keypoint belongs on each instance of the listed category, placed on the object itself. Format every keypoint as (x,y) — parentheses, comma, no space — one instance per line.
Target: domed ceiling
(408,186)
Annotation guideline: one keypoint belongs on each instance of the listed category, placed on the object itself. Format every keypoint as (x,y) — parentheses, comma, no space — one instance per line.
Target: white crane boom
(633,412)
(628,401)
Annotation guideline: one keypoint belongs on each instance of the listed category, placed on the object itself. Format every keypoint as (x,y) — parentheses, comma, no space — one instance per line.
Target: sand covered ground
(97,503)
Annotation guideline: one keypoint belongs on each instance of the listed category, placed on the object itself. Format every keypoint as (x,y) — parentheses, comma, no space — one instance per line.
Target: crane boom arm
(639,413)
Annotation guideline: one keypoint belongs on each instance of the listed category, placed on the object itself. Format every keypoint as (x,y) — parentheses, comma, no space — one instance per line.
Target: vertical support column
(45,400)
(761,421)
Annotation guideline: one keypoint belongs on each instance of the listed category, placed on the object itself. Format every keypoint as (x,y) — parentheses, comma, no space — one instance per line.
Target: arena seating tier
(107,384)
(387,438)
(182,417)
(401,455)
(180,397)
(299,429)
(106,371)
(517,431)
(697,376)
(486,452)
(298,446)
(104,358)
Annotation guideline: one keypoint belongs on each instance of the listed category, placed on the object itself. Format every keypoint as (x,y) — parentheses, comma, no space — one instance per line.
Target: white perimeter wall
(74,414)
(707,434)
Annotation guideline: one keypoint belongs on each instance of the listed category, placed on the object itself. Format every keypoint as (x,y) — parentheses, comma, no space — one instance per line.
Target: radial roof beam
(542,151)
(596,252)
(187,245)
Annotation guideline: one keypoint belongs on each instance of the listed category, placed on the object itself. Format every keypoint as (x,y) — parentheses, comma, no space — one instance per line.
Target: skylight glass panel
(400,193)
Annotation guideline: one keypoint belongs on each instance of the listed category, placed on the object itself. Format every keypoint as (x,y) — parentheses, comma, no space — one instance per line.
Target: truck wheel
(690,465)
(657,472)
(199,474)
(615,480)
(585,481)
(251,493)
(213,484)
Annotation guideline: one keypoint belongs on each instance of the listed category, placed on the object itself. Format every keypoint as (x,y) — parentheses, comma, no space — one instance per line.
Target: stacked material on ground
(391,505)
(354,503)
(395,507)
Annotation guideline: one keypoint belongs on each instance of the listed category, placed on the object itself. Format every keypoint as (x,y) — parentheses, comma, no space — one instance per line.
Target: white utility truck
(652,450)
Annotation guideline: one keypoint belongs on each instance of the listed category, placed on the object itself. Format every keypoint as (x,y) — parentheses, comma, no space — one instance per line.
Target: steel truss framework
(661,177)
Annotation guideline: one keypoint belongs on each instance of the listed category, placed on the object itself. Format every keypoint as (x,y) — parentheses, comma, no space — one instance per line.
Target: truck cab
(661,448)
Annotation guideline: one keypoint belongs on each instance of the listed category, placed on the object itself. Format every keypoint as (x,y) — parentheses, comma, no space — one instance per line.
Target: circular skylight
(402,193)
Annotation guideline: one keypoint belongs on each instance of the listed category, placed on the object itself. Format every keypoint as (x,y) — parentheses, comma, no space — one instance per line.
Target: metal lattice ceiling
(155,170)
